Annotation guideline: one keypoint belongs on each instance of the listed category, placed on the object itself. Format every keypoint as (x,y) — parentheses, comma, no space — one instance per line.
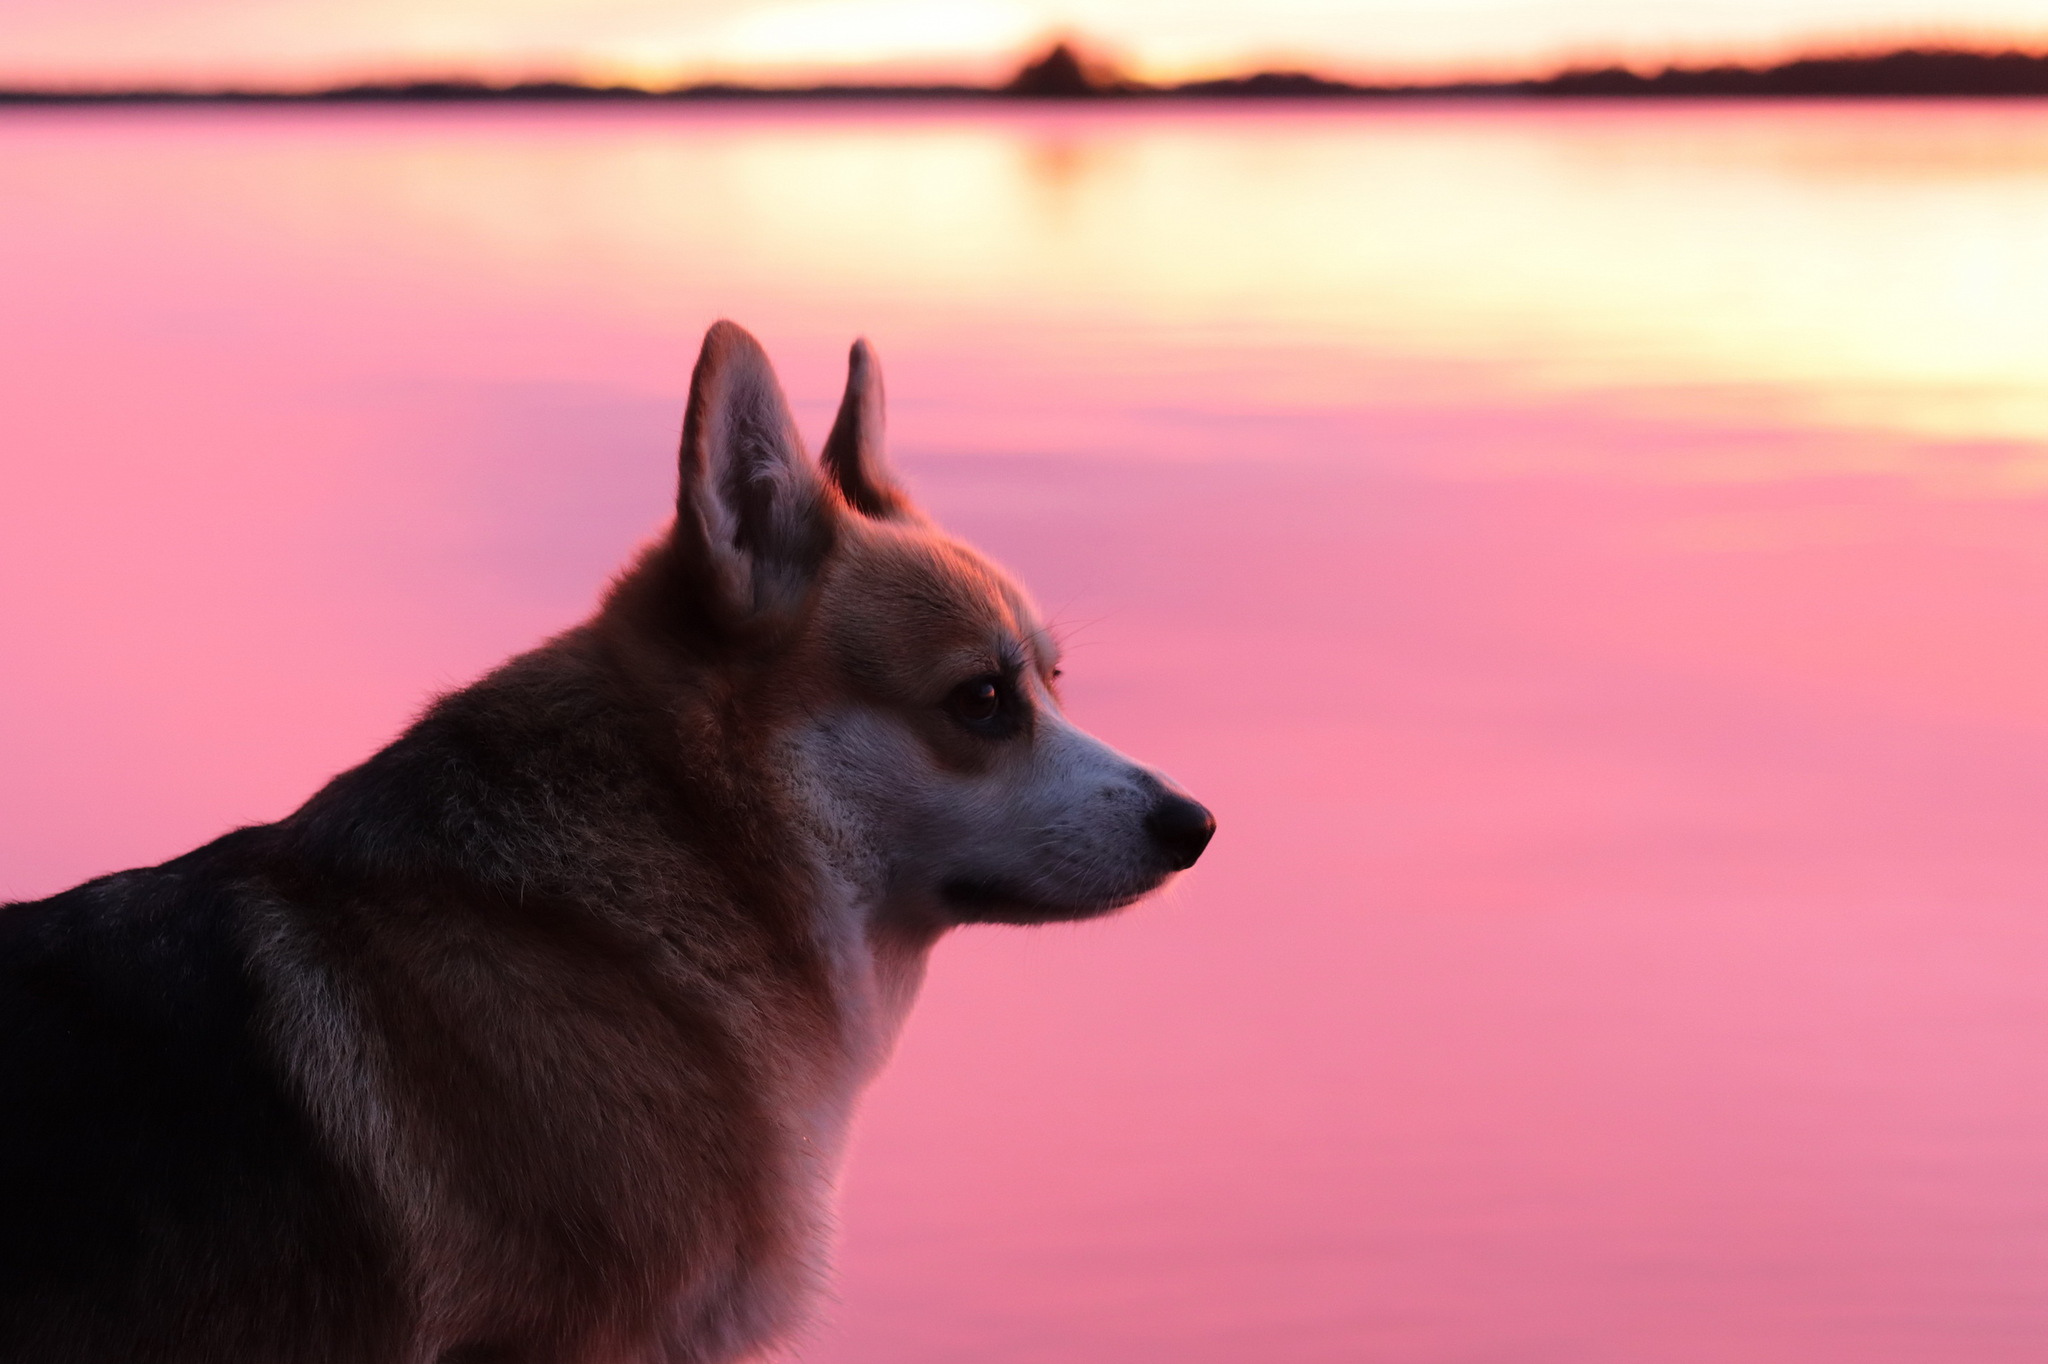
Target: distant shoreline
(1059,77)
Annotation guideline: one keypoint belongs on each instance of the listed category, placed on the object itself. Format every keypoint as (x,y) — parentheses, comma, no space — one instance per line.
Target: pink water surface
(1627,940)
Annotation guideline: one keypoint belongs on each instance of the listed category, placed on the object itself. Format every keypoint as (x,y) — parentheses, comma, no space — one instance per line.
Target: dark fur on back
(156,1172)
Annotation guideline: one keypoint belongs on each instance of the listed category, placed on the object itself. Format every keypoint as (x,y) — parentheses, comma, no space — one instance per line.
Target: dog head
(914,687)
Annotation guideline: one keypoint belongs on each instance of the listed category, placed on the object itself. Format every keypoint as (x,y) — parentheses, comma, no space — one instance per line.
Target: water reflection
(1593,557)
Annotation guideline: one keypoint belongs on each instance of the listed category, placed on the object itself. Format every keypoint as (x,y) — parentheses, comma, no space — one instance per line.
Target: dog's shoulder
(483,785)
(143,1128)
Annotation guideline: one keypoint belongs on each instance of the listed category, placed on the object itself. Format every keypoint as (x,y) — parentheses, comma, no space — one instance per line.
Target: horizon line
(1063,72)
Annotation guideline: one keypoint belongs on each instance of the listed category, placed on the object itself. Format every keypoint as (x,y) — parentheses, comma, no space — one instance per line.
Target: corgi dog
(534,1039)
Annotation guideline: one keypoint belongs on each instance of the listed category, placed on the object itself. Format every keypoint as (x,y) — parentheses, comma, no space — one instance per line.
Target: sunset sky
(101,42)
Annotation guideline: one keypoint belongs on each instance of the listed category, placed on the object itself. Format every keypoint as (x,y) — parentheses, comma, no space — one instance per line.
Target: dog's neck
(874,962)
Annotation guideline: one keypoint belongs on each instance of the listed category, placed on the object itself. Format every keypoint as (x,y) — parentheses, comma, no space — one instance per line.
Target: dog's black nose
(1181,828)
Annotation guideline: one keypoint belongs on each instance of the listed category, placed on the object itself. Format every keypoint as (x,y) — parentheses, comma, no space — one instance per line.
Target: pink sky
(312,41)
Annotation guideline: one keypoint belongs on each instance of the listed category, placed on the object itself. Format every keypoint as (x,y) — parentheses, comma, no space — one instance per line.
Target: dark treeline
(1908,73)
(460,91)
(1063,73)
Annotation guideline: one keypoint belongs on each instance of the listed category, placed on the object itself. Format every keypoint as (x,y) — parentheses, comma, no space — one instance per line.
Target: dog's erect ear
(853,452)
(752,517)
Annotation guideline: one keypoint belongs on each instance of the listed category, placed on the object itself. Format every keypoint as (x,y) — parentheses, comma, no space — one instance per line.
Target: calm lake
(1594,561)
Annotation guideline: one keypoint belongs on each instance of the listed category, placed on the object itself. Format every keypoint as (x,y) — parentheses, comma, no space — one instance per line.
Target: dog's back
(159,1177)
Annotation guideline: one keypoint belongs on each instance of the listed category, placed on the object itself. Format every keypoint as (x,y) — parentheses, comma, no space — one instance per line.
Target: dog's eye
(977,700)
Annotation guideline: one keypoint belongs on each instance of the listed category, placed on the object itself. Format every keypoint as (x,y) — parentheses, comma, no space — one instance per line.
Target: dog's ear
(853,452)
(753,520)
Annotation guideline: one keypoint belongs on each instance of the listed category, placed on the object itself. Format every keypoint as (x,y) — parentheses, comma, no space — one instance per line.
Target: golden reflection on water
(1855,268)
(1873,267)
